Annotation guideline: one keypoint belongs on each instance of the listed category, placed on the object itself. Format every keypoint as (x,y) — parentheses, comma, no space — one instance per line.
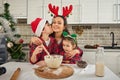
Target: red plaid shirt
(71,60)
(60,46)
(52,48)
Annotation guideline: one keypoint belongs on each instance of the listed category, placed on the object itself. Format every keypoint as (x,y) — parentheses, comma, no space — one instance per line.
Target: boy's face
(47,29)
(67,46)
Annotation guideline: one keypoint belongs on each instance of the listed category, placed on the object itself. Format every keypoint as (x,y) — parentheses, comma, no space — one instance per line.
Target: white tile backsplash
(96,35)
(99,35)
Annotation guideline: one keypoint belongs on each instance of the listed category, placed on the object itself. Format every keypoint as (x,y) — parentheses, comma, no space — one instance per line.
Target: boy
(42,29)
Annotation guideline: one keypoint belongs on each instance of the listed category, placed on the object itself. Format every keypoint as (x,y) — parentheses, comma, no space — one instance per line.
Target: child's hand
(38,49)
(72,53)
(35,40)
(69,55)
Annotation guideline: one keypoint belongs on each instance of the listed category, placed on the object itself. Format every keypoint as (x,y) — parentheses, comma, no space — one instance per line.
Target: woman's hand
(35,40)
(72,53)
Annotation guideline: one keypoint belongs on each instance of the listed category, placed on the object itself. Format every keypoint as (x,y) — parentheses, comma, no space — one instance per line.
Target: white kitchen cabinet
(84,11)
(88,12)
(1,6)
(74,17)
(35,9)
(109,11)
(111,59)
(39,8)
(18,8)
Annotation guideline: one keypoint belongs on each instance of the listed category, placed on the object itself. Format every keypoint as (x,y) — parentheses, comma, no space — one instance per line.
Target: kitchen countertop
(27,72)
(105,50)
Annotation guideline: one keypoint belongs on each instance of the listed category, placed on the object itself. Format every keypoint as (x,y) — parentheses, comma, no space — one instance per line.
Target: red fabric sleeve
(81,51)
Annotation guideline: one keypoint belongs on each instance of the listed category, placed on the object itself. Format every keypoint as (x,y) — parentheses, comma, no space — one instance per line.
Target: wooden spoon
(46,50)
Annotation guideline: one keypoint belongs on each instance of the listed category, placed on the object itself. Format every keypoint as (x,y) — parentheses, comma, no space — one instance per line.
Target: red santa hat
(37,26)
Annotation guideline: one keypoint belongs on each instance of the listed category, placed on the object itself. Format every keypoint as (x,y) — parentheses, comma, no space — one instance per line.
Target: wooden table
(27,72)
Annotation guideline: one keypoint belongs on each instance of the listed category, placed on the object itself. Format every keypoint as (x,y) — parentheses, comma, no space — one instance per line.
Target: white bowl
(53,61)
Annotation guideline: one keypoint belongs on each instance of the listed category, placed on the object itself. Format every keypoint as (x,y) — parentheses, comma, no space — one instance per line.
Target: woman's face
(58,24)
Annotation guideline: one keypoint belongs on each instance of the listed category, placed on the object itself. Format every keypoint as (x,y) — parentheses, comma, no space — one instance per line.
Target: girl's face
(67,46)
(58,24)
(47,29)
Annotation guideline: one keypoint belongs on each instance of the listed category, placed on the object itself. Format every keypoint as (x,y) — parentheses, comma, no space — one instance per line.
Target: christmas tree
(7,16)
(14,42)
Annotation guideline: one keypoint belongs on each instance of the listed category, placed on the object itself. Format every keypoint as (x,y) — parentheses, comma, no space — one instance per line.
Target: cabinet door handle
(118,12)
(114,12)
(80,13)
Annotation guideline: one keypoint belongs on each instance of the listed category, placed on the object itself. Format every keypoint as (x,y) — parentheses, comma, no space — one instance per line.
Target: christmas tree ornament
(9,44)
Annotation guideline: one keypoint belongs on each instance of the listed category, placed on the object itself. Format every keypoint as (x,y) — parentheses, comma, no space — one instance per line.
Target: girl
(69,44)
(42,29)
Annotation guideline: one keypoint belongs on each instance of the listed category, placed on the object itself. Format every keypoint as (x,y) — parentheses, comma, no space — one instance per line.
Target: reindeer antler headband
(66,11)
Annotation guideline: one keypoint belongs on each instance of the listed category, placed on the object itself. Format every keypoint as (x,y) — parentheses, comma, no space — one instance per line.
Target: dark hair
(65,24)
(73,42)
(46,22)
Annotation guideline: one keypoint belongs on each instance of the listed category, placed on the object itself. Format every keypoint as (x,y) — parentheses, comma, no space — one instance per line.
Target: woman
(59,24)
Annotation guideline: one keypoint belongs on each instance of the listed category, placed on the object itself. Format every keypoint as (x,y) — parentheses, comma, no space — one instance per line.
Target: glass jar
(99,64)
